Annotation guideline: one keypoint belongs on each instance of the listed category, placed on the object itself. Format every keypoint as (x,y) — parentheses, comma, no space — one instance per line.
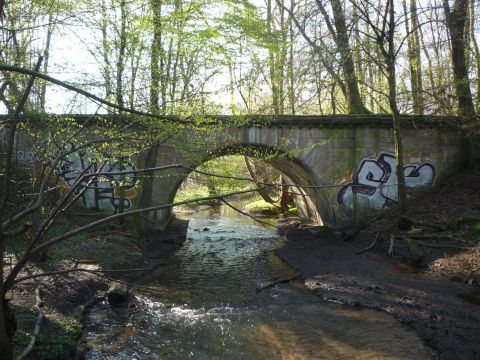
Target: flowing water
(208,307)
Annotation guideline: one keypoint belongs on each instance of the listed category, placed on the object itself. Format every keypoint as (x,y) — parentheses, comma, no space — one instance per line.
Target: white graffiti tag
(376,186)
(101,193)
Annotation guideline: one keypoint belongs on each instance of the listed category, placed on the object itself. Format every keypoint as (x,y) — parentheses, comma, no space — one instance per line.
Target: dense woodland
(238,57)
(192,58)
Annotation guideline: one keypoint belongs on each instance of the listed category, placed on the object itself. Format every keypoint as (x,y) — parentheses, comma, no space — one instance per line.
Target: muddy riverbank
(435,290)
(432,306)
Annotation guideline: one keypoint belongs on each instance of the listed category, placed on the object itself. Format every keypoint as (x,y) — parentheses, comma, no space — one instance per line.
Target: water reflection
(209,308)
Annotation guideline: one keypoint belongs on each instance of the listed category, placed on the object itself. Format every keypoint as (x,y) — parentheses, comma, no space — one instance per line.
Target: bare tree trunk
(155,55)
(106,52)
(231,86)
(431,78)
(397,136)
(455,19)
(414,60)
(291,83)
(476,51)
(271,61)
(282,59)
(46,56)
(121,52)
(7,320)
(355,102)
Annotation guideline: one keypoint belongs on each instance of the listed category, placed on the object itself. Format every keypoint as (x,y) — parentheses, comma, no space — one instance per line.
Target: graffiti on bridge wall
(376,186)
(101,192)
(23,146)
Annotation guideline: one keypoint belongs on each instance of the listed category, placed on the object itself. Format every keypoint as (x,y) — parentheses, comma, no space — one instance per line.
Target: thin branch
(89,95)
(36,330)
(371,246)
(247,214)
(61,272)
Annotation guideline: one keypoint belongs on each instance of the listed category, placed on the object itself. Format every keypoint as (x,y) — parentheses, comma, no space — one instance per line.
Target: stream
(207,307)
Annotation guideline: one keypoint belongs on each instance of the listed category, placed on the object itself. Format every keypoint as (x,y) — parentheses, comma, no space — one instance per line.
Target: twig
(36,330)
(35,73)
(371,246)
(60,272)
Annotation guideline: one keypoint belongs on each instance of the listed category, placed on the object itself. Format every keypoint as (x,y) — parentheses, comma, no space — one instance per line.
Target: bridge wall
(349,171)
(345,171)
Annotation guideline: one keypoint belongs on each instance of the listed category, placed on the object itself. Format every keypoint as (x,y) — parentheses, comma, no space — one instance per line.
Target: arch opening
(310,199)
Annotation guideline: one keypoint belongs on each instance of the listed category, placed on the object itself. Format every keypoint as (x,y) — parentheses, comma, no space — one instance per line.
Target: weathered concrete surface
(343,166)
(345,170)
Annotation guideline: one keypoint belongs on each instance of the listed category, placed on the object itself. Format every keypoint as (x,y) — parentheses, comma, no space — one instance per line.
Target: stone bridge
(343,168)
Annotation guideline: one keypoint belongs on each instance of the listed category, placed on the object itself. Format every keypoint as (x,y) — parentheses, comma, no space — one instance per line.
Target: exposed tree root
(371,246)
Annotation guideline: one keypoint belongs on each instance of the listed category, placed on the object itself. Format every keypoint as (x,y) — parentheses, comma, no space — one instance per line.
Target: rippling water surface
(209,307)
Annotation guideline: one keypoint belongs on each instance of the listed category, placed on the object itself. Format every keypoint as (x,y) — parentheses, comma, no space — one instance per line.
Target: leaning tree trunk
(414,58)
(262,191)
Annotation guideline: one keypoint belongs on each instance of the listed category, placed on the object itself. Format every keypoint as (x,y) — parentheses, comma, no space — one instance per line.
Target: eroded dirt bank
(431,285)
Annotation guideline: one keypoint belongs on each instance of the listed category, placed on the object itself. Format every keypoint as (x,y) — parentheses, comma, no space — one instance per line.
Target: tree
(414,59)
(340,35)
(15,214)
(384,36)
(456,18)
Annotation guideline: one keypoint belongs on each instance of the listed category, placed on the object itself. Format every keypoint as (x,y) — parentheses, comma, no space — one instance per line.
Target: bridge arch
(312,201)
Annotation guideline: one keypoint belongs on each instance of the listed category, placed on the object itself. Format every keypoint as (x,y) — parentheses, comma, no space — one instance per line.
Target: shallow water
(208,307)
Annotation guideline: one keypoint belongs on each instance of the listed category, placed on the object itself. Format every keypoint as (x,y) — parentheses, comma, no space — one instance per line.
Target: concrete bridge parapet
(344,170)
(343,167)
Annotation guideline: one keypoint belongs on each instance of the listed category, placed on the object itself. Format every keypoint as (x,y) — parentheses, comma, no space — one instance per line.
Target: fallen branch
(371,246)
(38,305)
(61,272)
(276,282)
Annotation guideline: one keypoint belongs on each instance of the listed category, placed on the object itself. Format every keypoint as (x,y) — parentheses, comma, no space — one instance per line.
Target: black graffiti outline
(410,171)
(68,173)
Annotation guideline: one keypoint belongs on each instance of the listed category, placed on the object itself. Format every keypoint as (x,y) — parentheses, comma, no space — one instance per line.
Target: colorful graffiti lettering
(101,192)
(376,186)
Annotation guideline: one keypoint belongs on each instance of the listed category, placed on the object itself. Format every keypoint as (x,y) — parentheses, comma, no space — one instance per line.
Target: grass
(292,211)
(191,193)
(476,229)
(57,338)
(261,207)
